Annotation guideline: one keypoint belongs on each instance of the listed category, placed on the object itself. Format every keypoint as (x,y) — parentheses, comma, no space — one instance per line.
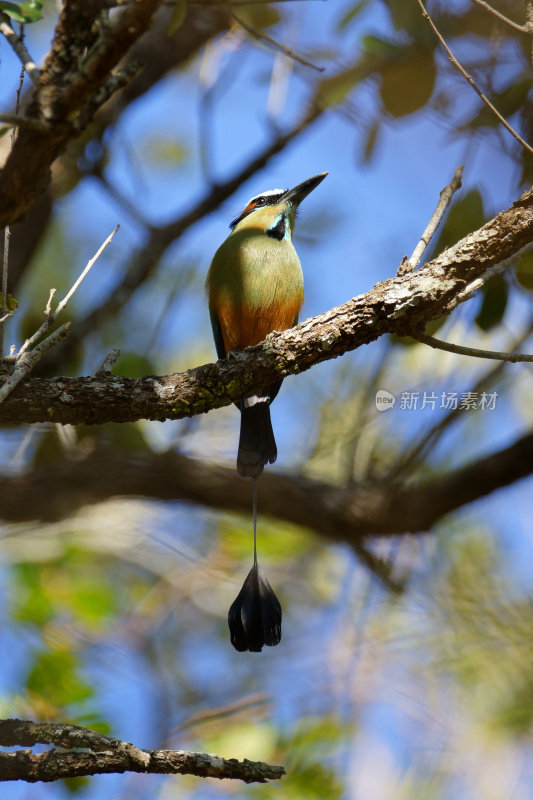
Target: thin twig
(50,316)
(20,48)
(502,17)
(24,122)
(29,360)
(471,81)
(408,265)
(106,368)
(263,37)
(438,344)
(85,272)
(5,262)
(529,25)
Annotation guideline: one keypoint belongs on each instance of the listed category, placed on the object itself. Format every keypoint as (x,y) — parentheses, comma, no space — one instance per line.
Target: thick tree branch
(378,508)
(102,754)
(399,305)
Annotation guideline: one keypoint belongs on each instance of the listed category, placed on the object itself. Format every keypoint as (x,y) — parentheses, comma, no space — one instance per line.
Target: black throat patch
(279,229)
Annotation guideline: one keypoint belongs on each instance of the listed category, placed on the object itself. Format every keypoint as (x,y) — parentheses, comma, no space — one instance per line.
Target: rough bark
(400,305)
(103,754)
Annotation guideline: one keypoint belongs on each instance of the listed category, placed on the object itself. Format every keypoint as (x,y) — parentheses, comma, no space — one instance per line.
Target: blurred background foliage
(116,618)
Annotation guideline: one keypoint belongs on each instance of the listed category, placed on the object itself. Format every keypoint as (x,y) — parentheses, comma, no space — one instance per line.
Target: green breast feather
(254,270)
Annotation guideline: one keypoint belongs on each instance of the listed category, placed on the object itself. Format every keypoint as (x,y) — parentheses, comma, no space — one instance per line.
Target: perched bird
(255,286)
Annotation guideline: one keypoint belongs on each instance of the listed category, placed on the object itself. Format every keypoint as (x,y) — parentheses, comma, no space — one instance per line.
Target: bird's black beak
(300,192)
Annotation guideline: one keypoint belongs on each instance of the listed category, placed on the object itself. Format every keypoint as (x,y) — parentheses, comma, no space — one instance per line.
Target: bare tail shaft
(257,445)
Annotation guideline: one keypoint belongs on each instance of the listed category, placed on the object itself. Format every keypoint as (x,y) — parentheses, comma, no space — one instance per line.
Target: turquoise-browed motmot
(255,286)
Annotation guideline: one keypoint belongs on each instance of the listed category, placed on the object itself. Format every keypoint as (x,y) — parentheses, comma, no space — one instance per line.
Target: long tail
(257,445)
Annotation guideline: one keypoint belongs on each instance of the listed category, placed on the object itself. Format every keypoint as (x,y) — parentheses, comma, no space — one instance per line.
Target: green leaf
(178,17)
(350,15)
(516,715)
(31,11)
(133,365)
(93,721)
(75,785)
(335,89)
(279,542)
(163,151)
(11,303)
(494,303)
(54,677)
(524,270)
(476,21)
(383,48)
(31,604)
(407,84)
(465,215)
(405,15)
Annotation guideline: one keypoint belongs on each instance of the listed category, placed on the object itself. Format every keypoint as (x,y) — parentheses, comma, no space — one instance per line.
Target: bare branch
(50,316)
(108,363)
(20,48)
(351,514)
(27,362)
(263,37)
(438,344)
(5,270)
(85,272)
(471,81)
(108,755)
(444,201)
(502,17)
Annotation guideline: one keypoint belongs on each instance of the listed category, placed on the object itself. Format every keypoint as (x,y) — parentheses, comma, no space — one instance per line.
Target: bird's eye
(259,201)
